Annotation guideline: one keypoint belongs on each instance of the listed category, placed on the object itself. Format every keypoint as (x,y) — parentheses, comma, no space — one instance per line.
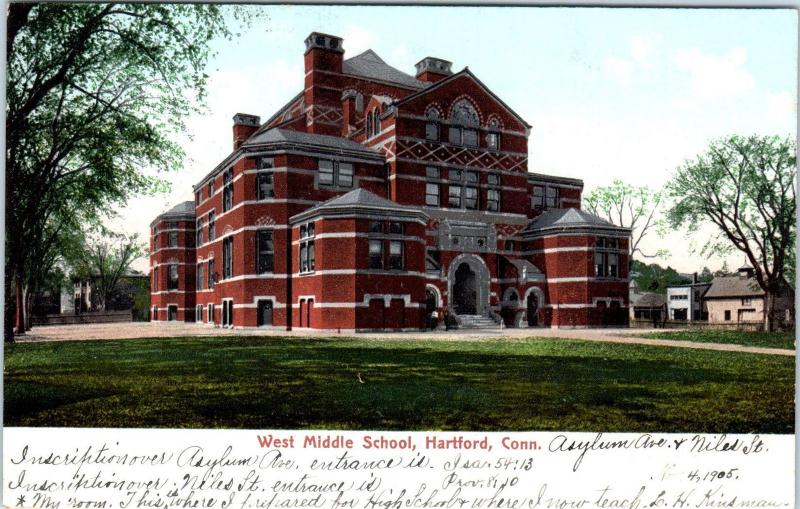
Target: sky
(611,93)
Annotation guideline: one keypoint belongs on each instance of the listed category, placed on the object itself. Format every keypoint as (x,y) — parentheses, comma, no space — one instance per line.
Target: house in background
(648,306)
(740,299)
(685,302)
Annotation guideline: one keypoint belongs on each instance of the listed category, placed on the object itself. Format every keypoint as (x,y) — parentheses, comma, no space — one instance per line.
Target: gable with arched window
(464,119)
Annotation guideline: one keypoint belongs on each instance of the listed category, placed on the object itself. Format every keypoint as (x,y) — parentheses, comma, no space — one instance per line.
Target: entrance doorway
(172,313)
(465,293)
(264,312)
(532,310)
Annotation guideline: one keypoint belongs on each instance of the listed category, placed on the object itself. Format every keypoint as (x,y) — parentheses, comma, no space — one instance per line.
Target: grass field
(421,385)
(767,340)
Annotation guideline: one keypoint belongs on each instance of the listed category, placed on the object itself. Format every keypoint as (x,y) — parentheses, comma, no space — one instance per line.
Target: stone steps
(476,322)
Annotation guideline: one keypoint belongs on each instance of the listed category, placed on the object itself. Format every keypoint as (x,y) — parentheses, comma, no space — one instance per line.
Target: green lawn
(263,383)
(764,339)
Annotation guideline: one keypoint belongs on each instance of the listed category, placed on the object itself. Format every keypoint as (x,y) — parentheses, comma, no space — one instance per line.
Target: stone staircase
(476,322)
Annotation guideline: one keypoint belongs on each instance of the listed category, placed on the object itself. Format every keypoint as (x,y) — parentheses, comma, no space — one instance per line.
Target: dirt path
(134,330)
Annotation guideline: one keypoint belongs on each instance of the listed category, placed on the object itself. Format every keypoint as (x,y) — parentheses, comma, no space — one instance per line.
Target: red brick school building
(378,200)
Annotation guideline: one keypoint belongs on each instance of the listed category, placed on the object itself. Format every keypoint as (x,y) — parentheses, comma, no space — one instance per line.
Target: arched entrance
(532,310)
(465,291)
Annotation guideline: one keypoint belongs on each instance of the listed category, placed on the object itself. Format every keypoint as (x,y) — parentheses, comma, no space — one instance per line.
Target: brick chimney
(244,126)
(432,69)
(323,96)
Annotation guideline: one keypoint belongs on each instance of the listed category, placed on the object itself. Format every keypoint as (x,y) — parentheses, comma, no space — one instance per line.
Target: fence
(686,324)
(93,317)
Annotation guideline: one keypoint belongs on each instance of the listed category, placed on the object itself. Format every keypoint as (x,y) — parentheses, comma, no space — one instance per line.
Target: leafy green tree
(105,259)
(628,206)
(95,96)
(745,187)
(655,278)
(706,276)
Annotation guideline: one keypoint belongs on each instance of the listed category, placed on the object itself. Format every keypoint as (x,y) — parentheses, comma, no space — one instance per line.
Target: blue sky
(628,93)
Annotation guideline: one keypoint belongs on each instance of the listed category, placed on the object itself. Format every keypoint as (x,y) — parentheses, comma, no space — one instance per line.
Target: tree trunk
(769,305)
(20,304)
(26,296)
(9,311)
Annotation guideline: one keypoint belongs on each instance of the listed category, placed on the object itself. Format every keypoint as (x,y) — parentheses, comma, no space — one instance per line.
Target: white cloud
(618,69)
(643,47)
(713,77)
(358,39)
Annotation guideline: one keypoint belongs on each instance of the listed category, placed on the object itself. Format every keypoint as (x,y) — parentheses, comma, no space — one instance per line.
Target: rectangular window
(197,198)
(265,252)
(265,163)
(470,137)
(454,197)
(155,279)
(432,172)
(493,179)
(345,174)
(212,227)
(199,231)
(227,191)
(728,315)
(227,257)
(211,278)
(432,131)
(454,136)
(200,276)
(172,281)
(454,175)
(493,141)
(210,313)
(599,265)
(432,195)
(265,186)
(307,254)
(325,172)
(395,255)
(471,197)
(552,197)
(493,200)
(375,254)
(538,197)
(396,227)
(472,177)
(613,264)
(211,188)
(172,240)
(376,226)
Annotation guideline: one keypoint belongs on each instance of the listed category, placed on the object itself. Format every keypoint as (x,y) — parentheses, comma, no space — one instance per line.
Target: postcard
(398,257)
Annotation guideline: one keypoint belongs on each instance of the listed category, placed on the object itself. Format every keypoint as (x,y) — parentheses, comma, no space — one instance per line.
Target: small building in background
(740,299)
(685,302)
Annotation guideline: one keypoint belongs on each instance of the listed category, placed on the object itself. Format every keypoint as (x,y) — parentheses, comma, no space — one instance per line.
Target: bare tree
(630,207)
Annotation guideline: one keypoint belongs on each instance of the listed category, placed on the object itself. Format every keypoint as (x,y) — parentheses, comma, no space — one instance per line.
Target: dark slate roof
(279,136)
(568,219)
(181,209)
(369,65)
(363,200)
(733,287)
(650,300)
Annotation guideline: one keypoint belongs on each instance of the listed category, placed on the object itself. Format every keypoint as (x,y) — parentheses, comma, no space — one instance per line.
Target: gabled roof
(733,287)
(281,110)
(649,300)
(465,72)
(363,201)
(278,135)
(555,220)
(369,65)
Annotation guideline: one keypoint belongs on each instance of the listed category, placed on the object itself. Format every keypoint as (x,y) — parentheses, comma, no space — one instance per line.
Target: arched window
(368,128)
(432,125)
(465,120)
